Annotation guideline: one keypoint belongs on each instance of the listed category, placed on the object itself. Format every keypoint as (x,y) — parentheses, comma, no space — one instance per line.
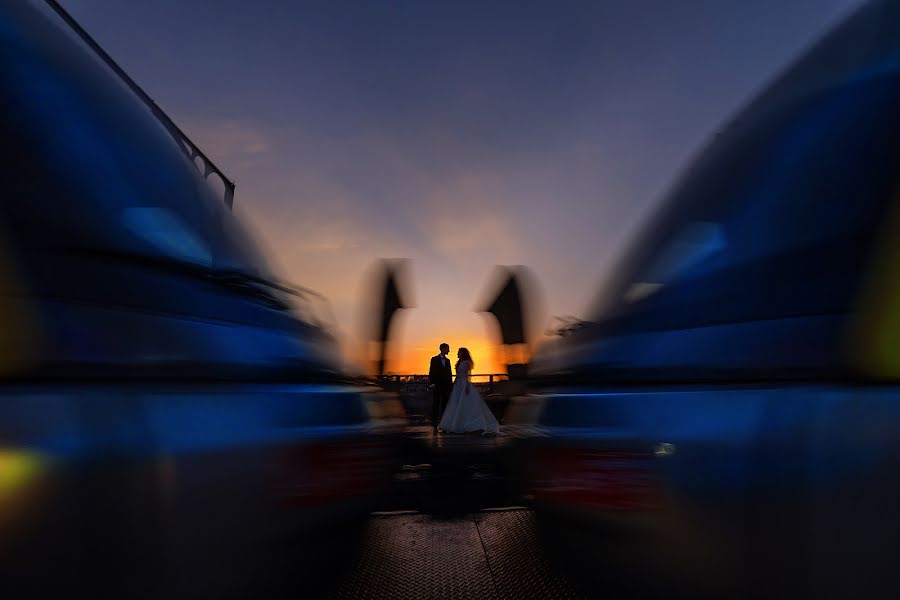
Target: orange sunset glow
(413,359)
(416,336)
(443,303)
(345,151)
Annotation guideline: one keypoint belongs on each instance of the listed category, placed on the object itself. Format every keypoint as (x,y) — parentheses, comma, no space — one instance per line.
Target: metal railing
(193,152)
(415,383)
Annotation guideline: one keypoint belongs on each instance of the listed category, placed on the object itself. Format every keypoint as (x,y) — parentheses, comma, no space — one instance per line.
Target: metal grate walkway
(486,555)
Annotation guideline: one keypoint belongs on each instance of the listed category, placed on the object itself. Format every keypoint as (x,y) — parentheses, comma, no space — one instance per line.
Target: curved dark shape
(508,309)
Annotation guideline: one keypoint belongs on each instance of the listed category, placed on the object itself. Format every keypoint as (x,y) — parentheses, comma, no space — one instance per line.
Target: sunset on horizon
(463,300)
(459,136)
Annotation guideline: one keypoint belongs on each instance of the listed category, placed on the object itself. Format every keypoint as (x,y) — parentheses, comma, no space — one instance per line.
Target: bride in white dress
(466,411)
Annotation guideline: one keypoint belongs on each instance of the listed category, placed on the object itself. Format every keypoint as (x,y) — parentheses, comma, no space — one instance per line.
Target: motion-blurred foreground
(728,422)
(173,422)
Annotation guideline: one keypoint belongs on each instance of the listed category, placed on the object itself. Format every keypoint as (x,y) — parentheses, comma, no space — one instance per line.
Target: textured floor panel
(489,555)
(415,556)
(515,559)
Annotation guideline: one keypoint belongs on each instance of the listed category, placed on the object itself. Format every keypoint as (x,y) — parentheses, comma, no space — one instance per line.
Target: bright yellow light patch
(22,478)
(18,469)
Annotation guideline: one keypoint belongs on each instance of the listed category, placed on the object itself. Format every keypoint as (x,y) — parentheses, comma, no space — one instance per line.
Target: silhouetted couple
(459,406)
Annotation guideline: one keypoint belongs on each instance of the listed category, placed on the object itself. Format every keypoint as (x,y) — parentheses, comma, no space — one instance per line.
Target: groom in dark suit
(440,376)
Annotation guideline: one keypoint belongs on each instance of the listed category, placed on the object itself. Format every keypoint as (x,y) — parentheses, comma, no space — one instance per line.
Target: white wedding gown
(466,411)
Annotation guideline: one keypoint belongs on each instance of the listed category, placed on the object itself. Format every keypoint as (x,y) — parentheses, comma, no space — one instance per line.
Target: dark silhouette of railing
(207,167)
(416,383)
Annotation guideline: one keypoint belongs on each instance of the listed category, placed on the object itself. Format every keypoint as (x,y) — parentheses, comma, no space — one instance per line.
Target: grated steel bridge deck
(488,555)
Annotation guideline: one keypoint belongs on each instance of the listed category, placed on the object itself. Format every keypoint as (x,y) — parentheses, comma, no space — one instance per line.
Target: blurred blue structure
(727,423)
(173,420)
